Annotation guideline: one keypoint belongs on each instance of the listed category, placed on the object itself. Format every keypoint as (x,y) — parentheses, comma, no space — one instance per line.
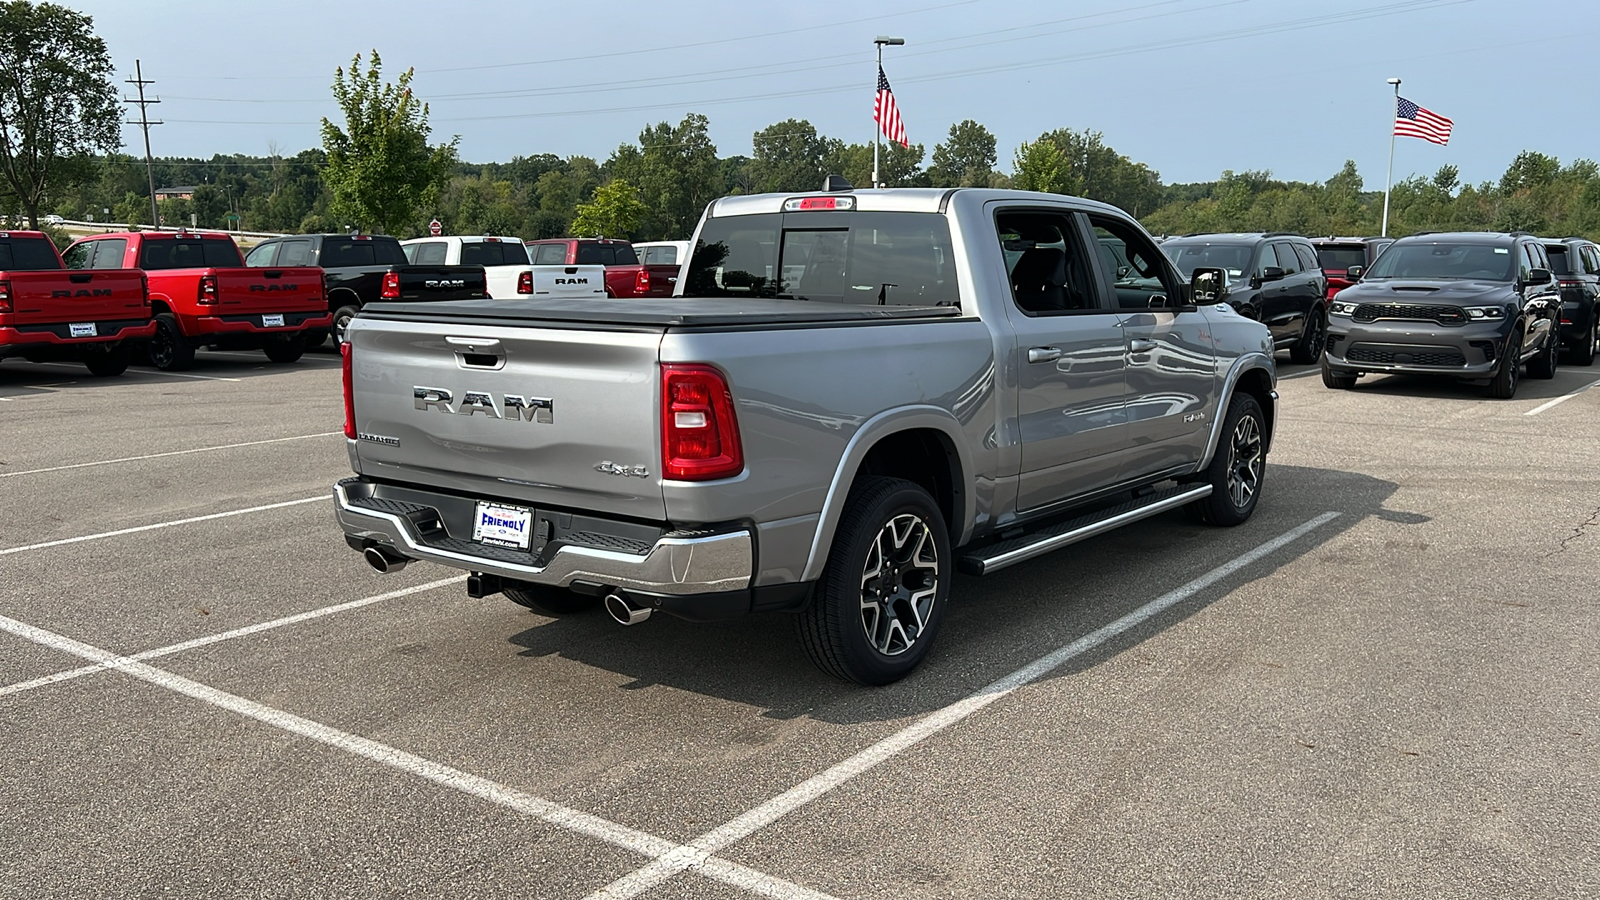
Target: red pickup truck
(203,296)
(48,313)
(625,277)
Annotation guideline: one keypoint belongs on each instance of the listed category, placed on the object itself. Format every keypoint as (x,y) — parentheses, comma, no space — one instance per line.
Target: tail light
(525,283)
(144,285)
(208,290)
(5,296)
(391,286)
(641,282)
(1566,283)
(349,392)
(699,434)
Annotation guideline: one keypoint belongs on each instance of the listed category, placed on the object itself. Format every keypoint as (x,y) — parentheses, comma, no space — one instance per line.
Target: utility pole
(144,122)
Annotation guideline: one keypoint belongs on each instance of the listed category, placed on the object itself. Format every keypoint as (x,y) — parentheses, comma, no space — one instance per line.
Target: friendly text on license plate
(504,526)
(84,329)
(274,321)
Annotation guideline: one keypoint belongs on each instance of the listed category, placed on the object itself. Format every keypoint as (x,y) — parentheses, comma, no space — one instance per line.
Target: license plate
(83,329)
(503,526)
(272,321)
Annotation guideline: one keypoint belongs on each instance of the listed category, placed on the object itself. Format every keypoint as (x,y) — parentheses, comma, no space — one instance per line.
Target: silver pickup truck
(855,395)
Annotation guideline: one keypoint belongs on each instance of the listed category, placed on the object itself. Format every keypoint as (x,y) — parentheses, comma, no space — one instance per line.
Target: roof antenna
(836,183)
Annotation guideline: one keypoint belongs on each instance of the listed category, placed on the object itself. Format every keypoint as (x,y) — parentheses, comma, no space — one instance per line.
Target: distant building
(182,192)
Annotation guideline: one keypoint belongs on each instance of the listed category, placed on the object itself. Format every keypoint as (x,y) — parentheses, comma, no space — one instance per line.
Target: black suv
(1337,254)
(1272,278)
(1575,262)
(1474,305)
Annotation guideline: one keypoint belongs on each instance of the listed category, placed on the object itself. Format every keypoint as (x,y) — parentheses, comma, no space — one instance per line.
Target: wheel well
(157,307)
(342,297)
(1255,383)
(926,457)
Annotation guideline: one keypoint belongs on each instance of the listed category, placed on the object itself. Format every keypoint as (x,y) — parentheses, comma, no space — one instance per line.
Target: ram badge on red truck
(48,313)
(203,296)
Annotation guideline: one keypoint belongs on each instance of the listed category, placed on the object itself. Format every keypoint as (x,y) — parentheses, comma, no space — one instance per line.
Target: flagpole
(877,133)
(1388,179)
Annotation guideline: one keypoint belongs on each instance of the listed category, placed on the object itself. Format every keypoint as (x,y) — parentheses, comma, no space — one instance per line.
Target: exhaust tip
(383,563)
(624,612)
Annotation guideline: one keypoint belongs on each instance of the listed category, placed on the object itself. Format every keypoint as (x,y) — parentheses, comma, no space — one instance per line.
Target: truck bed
(654,313)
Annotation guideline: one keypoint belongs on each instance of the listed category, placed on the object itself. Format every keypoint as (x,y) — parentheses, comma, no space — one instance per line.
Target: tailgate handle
(81,277)
(572,270)
(272,273)
(478,353)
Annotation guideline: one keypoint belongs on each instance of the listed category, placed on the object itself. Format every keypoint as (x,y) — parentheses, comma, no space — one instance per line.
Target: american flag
(886,114)
(1411,120)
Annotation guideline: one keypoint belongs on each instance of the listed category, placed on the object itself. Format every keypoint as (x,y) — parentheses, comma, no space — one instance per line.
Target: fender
(882,425)
(1247,363)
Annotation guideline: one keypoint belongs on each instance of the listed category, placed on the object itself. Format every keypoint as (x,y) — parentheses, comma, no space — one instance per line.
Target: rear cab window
(1558,259)
(361,251)
(861,258)
(188,253)
(491,253)
(432,253)
(28,254)
(597,254)
(549,254)
(1341,257)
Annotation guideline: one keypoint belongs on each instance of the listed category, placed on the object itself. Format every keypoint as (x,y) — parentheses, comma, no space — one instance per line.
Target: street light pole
(877,135)
(1389,178)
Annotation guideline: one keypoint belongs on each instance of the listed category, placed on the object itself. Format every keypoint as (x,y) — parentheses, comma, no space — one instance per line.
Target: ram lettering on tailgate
(532,409)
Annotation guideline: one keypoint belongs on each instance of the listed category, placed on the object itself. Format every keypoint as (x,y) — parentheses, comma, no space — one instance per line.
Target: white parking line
(143,371)
(107,462)
(261,359)
(1560,400)
(209,639)
(695,852)
(527,804)
(1304,374)
(121,531)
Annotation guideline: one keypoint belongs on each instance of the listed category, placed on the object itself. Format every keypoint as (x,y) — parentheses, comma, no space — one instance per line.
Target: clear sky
(1189,87)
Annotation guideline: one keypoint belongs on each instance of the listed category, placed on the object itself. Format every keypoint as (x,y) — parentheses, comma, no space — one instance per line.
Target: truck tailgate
(424,282)
(75,295)
(292,289)
(569,282)
(550,417)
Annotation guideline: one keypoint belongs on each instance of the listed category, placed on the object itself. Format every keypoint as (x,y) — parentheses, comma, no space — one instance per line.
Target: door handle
(1043,354)
(1138,346)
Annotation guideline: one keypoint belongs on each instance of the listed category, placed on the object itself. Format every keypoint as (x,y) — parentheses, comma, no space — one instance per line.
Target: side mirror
(1354,273)
(1538,276)
(1272,273)
(1208,286)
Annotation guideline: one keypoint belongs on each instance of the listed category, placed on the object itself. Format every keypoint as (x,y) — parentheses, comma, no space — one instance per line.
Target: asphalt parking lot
(1387,683)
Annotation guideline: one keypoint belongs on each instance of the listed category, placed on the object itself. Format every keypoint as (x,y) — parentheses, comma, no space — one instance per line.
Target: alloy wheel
(899,582)
(161,348)
(339,325)
(1244,462)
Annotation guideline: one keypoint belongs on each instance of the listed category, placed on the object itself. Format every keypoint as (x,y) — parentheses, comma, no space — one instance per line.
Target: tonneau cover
(661,312)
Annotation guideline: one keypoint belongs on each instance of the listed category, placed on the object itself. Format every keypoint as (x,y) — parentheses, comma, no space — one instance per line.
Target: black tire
(1584,353)
(341,320)
(1503,386)
(1544,365)
(1313,337)
(169,350)
(1339,381)
(882,597)
(107,363)
(549,601)
(286,350)
(1238,469)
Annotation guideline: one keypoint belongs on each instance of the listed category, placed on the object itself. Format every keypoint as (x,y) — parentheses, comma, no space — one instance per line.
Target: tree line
(377,170)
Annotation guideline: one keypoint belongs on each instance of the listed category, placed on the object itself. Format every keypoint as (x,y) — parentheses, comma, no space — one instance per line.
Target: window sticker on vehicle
(504,526)
(272,321)
(83,329)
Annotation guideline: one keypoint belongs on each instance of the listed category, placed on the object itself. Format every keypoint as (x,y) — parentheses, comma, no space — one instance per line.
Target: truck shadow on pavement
(994,625)
(20,378)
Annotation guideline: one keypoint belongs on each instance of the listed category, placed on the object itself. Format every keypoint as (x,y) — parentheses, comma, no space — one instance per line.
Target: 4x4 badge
(611,468)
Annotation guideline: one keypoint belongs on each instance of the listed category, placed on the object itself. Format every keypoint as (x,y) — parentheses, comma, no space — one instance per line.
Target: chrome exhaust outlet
(625,613)
(383,563)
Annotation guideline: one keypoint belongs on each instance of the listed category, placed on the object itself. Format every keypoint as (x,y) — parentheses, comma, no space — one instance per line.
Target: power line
(139,81)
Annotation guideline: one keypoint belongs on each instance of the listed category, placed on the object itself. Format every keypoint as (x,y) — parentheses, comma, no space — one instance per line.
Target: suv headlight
(1485,312)
(1343,309)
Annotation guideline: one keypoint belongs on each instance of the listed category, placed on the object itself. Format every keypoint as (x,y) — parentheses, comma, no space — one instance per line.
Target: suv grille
(1444,315)
(1415,356)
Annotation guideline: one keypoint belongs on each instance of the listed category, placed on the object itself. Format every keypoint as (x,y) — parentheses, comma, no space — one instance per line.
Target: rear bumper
(195,326)
(675,565)
(1467,351)
(15,339)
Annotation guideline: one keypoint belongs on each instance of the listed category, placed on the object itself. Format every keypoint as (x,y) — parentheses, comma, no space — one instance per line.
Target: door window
(1046,263)
(1525,262)
(294,253)
(109,253)
(79,256)
(550,255)
(261,256)
(1308,259)
(1137,270)
(1268,258)
(432,253)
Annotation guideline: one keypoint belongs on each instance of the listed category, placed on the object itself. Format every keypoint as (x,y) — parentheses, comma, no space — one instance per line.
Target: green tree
(966,158)
(1041,166)
(58,106)
(677,172)
(789,157)
(380,168)
(897,166)
(615,211)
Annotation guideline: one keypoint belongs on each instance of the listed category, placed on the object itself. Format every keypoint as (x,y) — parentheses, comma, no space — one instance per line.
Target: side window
(1287,258)
(1045,261)
(78,256)
(109,253)
(550,255)
(1137,269)
(261,256)
(1525,262)
(1591,260)
(294,253)
(1268,258)
(1308,259)
(433,252)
